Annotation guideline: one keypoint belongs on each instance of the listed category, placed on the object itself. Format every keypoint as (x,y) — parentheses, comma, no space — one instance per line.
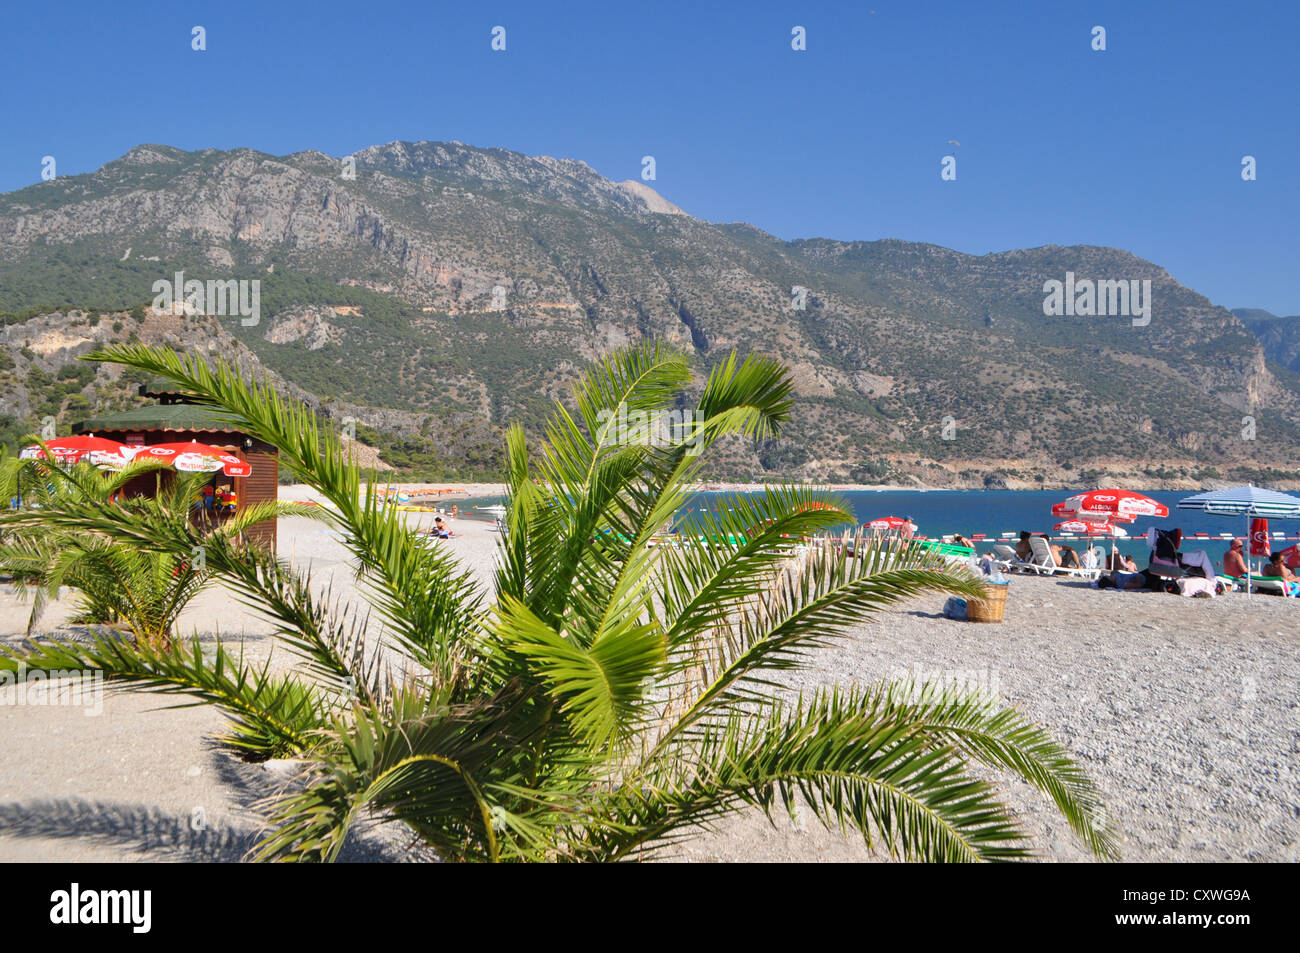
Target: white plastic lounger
(1273,584)
(1046,563)
(1008,561)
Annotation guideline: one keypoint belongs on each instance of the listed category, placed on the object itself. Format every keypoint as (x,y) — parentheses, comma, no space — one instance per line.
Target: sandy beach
(1185,711)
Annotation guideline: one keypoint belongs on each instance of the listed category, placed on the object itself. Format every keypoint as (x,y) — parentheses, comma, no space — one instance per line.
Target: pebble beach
(1185,711)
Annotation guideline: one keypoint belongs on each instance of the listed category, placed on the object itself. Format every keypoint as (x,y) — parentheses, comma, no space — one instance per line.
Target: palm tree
(610,695)
(143,590)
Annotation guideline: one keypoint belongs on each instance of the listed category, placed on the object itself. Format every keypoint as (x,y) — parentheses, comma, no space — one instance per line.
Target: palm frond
(981,728)
(272,716)
(855,769)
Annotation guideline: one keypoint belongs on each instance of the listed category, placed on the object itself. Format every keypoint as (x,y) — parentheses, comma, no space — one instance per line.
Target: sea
(986,516)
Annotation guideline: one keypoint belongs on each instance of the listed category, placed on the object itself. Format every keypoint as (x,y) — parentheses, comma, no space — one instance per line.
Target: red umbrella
(98,450)
(1109,506)
(903,526)
(195,457)
(1260,544)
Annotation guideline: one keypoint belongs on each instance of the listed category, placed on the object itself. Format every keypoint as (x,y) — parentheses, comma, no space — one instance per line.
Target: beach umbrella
(195,457)
(1109,506)
(97,450)
(1245,501)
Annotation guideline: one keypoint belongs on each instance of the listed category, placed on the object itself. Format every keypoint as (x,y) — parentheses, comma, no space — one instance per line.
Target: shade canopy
(1109,506)
(194,457)
(1244,501)
(97,450)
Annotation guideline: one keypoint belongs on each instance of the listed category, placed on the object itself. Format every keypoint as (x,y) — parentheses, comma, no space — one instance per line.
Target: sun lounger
(1007,560)
(1274,584)
(1045,562)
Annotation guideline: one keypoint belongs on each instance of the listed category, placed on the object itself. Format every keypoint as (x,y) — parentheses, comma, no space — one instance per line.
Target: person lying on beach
(1122,580)
(959,540)
(1233,563)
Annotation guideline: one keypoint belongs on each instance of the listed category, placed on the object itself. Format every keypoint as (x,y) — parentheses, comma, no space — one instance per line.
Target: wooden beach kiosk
(177,418)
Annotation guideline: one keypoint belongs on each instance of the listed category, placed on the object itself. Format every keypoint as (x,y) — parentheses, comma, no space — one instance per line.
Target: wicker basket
(990,609)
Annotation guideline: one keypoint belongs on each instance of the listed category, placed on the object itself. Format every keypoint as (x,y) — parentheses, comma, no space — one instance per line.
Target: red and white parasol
(100,451)
(1109,506)
(195,457)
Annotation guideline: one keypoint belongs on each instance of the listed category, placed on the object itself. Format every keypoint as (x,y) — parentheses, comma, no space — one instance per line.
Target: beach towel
(1191,586)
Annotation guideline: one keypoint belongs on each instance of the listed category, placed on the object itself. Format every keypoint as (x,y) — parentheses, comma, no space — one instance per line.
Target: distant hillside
(1279,336)
(447,290)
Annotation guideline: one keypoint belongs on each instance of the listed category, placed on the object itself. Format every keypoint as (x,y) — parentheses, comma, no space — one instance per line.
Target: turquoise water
(993,512)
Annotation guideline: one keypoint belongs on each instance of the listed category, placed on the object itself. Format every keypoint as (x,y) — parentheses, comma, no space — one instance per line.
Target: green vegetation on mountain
(447,291)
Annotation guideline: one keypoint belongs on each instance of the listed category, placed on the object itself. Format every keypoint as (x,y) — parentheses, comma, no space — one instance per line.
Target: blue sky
(1138,147)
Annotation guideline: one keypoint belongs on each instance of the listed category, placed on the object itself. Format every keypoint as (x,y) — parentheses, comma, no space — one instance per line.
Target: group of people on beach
(1234,564)
(1171,569)
(1193,573)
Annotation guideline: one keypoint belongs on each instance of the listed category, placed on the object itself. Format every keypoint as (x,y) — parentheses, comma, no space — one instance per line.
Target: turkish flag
(1259,544)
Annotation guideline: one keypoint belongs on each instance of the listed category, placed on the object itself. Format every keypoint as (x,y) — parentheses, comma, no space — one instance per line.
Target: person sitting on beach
(1121,562)
(1277,567)
(439,529)
(1023,549)
(1064,556)
(1233,563)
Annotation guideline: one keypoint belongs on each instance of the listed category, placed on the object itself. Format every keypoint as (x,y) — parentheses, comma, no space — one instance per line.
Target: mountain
(441,291)
(1280,337)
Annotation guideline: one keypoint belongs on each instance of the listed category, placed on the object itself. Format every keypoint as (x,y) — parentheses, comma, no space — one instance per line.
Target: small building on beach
(177,418)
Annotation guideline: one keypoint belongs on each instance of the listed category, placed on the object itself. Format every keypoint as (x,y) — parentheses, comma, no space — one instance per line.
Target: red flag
(1259,544)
